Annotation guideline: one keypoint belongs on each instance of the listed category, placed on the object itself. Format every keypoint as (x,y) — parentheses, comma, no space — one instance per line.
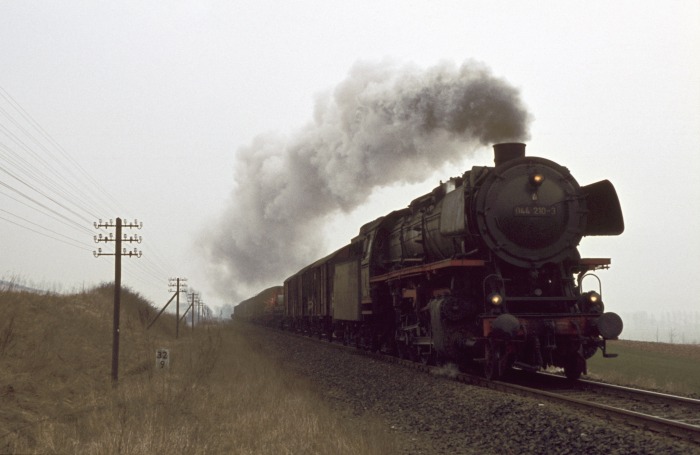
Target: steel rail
(642,392)
(637,419)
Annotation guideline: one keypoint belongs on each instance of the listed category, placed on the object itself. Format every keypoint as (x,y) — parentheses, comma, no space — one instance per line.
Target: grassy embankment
(218,396)
(673,368)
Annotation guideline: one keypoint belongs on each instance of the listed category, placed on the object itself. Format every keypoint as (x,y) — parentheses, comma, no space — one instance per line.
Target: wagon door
(346,291)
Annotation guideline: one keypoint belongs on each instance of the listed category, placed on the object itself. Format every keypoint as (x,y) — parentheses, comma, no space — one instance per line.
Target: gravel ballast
(434,415)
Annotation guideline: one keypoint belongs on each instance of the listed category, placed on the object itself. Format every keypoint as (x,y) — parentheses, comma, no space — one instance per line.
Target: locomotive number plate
(534,210)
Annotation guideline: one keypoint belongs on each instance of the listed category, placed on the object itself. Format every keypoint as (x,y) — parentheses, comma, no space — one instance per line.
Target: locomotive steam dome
(530,211)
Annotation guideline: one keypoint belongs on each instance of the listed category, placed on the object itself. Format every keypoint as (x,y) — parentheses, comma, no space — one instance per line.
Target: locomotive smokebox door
(529,211)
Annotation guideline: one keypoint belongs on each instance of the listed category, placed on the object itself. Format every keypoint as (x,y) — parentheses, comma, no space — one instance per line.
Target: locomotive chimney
(507,151)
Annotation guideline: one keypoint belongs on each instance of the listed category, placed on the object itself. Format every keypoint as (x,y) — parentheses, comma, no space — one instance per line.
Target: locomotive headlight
(536,179)
(592,302)
(495,299)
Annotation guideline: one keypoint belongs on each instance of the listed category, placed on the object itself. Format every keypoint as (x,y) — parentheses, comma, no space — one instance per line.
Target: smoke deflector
(604,211)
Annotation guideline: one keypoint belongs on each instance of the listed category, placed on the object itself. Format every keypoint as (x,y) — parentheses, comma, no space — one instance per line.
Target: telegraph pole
(182,318)
(192,305)
(178,289)
(118,253)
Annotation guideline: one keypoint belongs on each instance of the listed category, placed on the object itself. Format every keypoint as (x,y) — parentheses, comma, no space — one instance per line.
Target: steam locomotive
(482,271)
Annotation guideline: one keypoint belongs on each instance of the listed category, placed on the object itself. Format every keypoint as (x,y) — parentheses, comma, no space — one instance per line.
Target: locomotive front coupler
(530,357)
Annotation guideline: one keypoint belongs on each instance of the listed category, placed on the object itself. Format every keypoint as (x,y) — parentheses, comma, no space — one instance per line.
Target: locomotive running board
(421,269)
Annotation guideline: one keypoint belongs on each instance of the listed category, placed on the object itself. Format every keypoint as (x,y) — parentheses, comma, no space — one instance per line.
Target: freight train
(266,308)
(482,271)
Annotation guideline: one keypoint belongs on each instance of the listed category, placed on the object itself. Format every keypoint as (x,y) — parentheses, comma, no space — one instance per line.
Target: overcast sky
(156,110)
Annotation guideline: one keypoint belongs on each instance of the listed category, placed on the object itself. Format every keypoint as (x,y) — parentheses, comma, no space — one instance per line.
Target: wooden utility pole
(180,286)
(118,253)
(182,318)
(117,301)
(160,312)
(193,307)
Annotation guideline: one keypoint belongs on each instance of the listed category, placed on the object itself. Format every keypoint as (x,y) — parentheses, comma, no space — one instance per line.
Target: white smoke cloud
(383,124)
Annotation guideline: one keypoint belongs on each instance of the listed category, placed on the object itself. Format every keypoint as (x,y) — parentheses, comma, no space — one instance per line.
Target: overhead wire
(42,193)
(56,217)
(107,198)
(40,171)
(70,241)
(50,186)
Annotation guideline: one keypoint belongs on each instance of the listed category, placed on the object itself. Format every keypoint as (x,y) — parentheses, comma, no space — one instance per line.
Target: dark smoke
(380,126)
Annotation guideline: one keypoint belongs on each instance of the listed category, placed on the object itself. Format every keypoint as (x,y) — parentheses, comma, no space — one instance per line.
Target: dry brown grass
(56,394)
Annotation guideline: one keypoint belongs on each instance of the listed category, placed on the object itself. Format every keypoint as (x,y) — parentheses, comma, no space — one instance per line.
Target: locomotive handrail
(587,274)
(497,277)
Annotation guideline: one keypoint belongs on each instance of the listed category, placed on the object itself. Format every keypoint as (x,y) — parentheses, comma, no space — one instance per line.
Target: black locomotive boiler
(482,270)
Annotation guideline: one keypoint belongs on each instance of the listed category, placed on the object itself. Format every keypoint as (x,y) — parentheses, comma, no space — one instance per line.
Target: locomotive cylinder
(447,316)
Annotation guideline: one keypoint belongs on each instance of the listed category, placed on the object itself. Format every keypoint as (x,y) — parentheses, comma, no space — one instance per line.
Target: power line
(36,190)
(44,234)
(86,176)
(43,177)
(69,223)
(40,204)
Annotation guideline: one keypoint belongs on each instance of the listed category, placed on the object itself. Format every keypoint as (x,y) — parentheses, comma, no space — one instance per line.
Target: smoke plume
(382,125)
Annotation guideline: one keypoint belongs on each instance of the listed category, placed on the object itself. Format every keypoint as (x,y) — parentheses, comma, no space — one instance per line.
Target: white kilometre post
(162,359)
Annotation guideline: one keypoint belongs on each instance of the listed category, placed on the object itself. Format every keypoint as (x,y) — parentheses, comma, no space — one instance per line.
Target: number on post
(162,359)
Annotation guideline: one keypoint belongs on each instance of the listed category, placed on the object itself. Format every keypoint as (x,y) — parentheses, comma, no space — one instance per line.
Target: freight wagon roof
(321,261)
(262,294)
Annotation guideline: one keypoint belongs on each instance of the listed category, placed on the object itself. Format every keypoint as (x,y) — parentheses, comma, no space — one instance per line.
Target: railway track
(653,411)
(661,413)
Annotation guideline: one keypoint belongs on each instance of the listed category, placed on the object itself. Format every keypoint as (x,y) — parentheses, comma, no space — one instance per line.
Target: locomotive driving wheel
(427,355)
(402,344)
(496,362)
(574,367)
(401,349)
